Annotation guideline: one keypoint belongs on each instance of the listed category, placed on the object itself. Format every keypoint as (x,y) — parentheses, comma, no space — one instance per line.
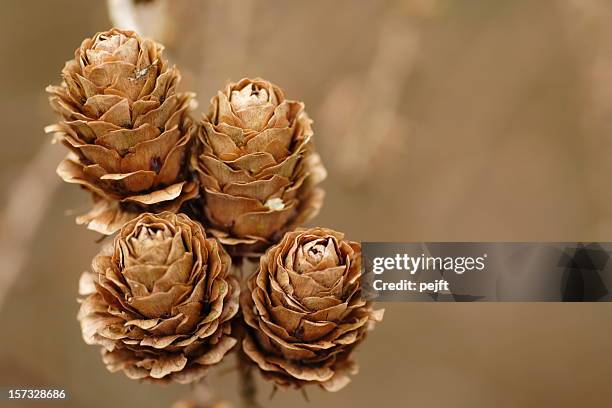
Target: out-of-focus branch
(194,404)
(149,18)
(30,195)
(202,398)
(590,34)
(226,57)
(247,385)
(361,113)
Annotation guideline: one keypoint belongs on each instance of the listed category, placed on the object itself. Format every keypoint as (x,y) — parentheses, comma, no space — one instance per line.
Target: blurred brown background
(437,120)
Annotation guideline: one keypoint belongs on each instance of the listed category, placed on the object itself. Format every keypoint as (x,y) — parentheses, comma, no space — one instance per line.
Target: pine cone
(160,300)
(257,168)
(128,130)
(304,310)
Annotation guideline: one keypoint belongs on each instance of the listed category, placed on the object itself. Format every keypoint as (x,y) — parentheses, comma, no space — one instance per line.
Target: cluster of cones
(183,199)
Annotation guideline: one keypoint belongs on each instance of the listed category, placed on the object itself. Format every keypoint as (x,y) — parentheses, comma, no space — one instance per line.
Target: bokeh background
(437,120)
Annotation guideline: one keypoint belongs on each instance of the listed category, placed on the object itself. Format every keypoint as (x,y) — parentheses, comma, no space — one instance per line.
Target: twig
(273,392)
(376,96)
(29,199)
(248,388)
(230,57)
(305,395)
(203,395)
(588,23)
(148,18)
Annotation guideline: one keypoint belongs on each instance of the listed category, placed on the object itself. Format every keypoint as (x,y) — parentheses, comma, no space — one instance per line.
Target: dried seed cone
(160,300)
(257,168)
(304,310)
(127,128)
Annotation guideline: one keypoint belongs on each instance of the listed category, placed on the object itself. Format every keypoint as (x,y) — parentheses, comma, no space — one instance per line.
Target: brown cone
(304,310)
(160,300)
(128,130)
(257,168)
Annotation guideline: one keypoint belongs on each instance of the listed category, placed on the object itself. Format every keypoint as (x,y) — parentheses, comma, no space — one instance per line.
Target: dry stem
(248,388)
(148,18)
(375,101)
(590,32)
(29,199)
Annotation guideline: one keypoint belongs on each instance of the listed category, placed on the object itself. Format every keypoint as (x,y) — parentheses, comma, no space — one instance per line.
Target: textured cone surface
(160,300)
(304,310)
(256,166)
(127,129)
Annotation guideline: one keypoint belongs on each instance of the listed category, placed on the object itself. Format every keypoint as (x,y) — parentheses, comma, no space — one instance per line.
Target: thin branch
(374,99)
(248,387)
(148,18)
(236,20)
(24,212)
(590,34)
(243,267)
